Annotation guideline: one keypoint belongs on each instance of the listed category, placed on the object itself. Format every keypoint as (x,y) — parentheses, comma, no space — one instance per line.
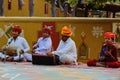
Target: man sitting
(66,49)
(108,55)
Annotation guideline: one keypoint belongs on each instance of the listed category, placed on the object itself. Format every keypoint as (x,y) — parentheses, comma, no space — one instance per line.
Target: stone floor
(27,71)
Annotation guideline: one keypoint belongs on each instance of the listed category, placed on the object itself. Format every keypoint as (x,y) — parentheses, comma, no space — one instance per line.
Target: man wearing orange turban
(16,43)
(66,49)
(108,54)
(66,31)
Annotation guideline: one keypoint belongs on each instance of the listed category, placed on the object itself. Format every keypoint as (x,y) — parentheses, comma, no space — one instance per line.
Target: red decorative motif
(54,35)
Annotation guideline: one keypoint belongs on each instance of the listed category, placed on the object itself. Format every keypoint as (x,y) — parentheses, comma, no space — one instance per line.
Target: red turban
(46,30)
(17,29)
(109,35)
(112,35)
(66,31)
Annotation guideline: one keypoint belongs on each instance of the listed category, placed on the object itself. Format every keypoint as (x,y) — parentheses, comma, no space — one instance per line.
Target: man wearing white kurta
(43,45)
(18,42)
(22,44)
(67,48)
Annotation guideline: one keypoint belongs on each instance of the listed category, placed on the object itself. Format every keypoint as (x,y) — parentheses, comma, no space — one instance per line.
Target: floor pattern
(27,71)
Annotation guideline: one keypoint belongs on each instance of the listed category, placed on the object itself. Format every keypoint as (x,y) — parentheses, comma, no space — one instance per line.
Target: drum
(11,51)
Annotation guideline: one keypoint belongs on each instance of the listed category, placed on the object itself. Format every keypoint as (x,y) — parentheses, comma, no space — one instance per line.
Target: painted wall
(39,9)
(92,29)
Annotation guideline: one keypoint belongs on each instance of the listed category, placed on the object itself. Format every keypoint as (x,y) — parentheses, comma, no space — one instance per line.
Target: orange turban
(109,35)
(66,31)
(17,29)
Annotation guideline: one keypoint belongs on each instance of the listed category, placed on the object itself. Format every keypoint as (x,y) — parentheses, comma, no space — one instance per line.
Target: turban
(66,31)
(17,29)
(112,35)
(109,35)
(46,30)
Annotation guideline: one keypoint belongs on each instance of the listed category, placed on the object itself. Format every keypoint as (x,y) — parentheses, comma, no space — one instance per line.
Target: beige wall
(31,26)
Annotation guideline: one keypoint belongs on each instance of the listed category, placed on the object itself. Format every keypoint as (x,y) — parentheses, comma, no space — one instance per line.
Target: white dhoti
(28,56)
(68,59)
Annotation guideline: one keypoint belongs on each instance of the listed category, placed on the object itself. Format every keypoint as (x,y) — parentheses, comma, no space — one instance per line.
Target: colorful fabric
(112,35)
(92,62)
(46,30)
(109,35)
(113,56)
(113,64)
(102,54)
(17,29)
(66,31)
(107,64)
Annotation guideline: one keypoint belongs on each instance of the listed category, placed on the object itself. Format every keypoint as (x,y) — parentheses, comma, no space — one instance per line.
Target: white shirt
(44,45)
(20,42)
(66,48)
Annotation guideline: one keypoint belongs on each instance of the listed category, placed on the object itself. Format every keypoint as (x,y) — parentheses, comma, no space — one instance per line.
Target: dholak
(44,60)
(11,51)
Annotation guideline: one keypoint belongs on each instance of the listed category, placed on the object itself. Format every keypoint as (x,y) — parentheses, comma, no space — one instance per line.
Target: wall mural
(83,50)
(7,31)
(72,29)
(54,35)
(1,32)
(116,30)
(97,31)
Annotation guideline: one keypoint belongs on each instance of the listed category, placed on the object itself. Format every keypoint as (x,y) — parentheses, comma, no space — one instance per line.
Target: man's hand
(49,54)
(35,47)
(22,51)
(33,51)
(108,52)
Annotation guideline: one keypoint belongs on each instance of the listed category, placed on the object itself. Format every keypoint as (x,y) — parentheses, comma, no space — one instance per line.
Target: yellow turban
(66,31)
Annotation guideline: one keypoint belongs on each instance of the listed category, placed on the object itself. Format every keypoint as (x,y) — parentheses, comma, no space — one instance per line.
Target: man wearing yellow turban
(66,49)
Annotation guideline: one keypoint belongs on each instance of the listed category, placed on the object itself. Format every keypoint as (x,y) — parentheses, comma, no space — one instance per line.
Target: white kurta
(44,46)
(20,43)
(67,51)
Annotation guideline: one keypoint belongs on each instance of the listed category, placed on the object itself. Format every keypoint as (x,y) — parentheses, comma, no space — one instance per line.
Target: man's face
(45,34)
(64,38)
(108,41)
(15,33)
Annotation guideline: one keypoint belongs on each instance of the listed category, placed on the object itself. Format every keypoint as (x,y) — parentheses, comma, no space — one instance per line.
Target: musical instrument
(12,51)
